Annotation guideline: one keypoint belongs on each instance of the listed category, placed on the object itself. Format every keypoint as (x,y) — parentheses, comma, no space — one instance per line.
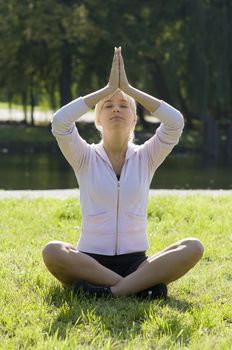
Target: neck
(115,145)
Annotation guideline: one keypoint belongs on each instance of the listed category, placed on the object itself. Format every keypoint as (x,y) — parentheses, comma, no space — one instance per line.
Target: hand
(113,83)
(123,81)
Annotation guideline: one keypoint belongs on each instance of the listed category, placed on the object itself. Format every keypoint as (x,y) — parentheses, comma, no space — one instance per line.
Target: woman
(114,178)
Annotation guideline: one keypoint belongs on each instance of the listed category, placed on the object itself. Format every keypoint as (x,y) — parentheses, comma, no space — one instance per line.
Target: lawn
(36,313)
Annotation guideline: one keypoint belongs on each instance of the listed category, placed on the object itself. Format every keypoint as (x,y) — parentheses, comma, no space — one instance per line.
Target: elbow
(58,118)
(180,120)
(55,123)
(61,124)
(55,119)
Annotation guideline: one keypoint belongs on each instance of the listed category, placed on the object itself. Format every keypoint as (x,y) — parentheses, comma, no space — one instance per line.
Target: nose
(115,109)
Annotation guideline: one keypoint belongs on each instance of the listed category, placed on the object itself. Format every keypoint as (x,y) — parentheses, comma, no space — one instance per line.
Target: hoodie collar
(132,148)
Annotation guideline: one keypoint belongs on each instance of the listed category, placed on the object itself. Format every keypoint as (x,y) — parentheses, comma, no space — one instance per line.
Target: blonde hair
(99,105)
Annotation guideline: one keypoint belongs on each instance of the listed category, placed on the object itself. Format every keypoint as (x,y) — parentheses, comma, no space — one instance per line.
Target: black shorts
(123,264)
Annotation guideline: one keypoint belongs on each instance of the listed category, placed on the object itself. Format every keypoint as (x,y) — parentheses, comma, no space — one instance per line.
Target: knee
(194,248)
(51,252)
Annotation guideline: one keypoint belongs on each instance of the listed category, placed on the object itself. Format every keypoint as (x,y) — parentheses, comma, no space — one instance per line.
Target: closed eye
(111,106)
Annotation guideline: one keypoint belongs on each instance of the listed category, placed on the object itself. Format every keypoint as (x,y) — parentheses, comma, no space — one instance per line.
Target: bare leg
(67,264)
(164,267)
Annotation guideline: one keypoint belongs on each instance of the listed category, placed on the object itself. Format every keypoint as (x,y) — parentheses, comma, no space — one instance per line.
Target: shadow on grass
(121,318)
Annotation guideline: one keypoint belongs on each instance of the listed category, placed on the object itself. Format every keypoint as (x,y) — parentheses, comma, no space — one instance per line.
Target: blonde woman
(114,178)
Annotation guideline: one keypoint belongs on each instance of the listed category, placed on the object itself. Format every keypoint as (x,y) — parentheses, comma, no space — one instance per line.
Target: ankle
(116,290)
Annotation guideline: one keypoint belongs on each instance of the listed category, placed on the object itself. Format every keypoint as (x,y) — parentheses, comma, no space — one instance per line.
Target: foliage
(36,313)
(178,51)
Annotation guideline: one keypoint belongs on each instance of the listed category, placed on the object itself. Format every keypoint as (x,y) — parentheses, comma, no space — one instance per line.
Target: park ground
(37,313)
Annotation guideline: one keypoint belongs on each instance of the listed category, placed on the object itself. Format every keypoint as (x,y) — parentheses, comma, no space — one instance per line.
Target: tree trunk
(65,76)
(32,102)
(24,103)
(160,82)
(187,114)
(211,138)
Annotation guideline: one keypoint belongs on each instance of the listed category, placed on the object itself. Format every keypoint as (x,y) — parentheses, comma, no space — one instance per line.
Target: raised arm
(65,117)
(167,114)
(149,102)
(74,148)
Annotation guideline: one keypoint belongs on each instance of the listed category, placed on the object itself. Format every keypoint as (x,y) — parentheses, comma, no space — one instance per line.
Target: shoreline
(74,193)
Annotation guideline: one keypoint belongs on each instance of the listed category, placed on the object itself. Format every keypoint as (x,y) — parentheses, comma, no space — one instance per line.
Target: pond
(51,171)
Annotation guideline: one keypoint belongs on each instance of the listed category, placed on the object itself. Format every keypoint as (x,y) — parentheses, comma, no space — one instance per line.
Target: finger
(121,61)
(114,74)
(115,67)
(115,54)
(115,60)
(120,50)
(120,57)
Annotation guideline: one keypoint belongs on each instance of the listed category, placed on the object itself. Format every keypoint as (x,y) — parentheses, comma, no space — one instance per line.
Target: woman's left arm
(149,102)
(167,114)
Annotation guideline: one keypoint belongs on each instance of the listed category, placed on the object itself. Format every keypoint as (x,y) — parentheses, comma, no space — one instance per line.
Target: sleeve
(74,148)
(166,137)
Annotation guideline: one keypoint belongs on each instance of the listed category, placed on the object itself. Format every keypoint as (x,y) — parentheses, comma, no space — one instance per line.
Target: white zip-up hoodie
(114,213)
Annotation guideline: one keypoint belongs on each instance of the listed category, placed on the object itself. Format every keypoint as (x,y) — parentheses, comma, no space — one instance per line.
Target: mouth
(116,117)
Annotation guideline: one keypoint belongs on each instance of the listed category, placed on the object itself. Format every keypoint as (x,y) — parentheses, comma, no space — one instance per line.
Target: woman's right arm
(65,117)
(73,147)
(92,99)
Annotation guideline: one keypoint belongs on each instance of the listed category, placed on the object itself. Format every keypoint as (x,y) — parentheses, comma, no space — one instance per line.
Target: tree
(179,52)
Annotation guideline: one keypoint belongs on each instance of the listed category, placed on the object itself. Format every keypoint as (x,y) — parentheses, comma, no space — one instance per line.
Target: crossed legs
(67,264)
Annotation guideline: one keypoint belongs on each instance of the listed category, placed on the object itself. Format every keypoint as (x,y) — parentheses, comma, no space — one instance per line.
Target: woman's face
(116,114)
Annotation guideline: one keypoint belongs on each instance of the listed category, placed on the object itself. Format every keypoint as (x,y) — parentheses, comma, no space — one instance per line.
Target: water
(51,171)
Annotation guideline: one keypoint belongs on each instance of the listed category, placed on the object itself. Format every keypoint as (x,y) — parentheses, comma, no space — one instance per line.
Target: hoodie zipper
(116,243)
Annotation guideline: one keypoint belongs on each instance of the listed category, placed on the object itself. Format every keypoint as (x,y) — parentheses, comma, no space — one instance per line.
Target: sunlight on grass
(37,313)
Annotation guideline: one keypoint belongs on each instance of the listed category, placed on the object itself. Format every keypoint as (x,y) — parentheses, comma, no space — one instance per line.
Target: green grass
(37,313)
